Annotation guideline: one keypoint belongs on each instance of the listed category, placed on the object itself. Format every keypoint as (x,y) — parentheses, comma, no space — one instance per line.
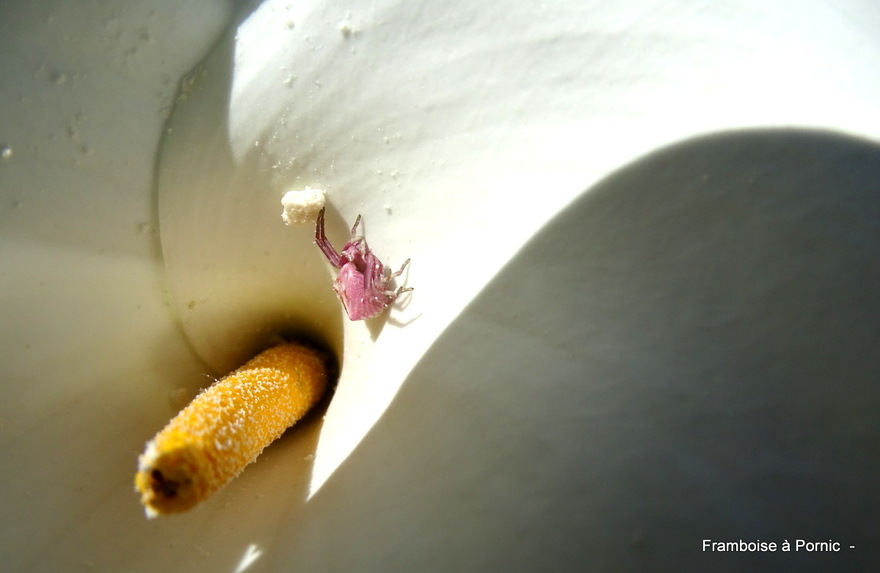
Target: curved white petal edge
(589,403)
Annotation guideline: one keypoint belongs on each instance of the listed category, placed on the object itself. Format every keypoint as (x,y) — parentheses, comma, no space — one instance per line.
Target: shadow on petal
(688,352)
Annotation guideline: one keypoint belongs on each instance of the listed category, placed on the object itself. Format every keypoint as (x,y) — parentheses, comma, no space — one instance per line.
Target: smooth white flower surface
(644,252)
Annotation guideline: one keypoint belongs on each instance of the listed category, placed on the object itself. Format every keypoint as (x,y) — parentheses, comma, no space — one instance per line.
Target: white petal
(544,394)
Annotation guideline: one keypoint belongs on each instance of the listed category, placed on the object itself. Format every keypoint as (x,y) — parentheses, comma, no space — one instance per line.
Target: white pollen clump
(302,206)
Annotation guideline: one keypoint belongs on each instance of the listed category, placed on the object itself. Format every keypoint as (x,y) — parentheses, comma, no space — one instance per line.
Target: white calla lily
(636,323)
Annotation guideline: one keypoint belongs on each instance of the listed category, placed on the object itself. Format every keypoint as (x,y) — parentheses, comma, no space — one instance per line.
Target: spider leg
(393,294)
(324,244)
(355,226)
(374,273)
(399,271)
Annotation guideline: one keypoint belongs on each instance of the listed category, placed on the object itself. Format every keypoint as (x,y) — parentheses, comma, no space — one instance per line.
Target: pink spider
(362,282)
